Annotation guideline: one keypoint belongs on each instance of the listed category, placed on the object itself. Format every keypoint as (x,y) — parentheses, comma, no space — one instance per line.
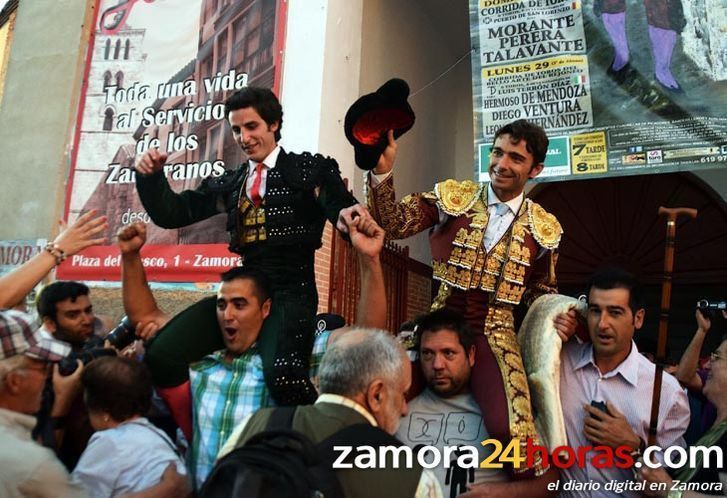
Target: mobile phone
(600,405)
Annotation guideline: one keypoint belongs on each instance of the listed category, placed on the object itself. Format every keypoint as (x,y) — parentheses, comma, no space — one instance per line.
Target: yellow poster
(588,153)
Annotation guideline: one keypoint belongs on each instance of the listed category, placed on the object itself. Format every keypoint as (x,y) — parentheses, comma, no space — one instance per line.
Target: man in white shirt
(609,369)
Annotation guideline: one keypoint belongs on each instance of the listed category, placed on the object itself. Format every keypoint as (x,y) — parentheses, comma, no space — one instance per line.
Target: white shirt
(27,468)
(497,225)
(269,163)
(454,421)
(125,459)
(629,388)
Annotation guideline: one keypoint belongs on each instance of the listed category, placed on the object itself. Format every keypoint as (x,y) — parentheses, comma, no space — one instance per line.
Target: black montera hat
(371,116)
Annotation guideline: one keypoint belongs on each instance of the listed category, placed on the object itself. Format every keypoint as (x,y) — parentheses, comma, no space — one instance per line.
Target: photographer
(66,312)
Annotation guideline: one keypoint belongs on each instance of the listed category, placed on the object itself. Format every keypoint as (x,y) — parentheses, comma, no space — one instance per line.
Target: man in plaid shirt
(228,385)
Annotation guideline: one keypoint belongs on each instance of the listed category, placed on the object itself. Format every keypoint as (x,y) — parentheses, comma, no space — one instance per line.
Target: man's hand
(565,324)
(66,389)
(650,476)
(150,162)
(484,490)
(171,485)
(387,158)
(131,238)
(367,237)
(175,484)
(610,429)
(147,331)
(347,215)
(83,233)
(703,323)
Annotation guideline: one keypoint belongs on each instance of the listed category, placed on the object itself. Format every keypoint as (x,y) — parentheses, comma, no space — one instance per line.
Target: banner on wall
(623,87)
(15,253)
(157,75)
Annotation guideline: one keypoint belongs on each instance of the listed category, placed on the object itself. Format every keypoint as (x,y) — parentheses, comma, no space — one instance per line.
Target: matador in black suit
(277,204)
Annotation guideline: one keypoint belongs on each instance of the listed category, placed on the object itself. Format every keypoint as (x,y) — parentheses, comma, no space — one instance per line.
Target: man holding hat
(492,250)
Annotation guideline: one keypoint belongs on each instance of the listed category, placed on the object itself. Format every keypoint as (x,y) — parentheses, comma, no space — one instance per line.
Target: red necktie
(255,189)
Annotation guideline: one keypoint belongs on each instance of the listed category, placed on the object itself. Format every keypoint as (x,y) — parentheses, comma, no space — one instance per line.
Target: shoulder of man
(544,226)
(228,181)
(254,424)
(457,197)
(306,170)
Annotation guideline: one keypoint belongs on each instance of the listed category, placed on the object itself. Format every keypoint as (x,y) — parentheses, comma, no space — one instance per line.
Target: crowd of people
(171,411)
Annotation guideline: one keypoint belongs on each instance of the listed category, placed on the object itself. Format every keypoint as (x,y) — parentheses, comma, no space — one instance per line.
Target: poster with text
(157,75)
(622,87)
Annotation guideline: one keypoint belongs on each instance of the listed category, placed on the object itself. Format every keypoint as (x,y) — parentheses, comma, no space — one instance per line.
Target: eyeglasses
(716,356)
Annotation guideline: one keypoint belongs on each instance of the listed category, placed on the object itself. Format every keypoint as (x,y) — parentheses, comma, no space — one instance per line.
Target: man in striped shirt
(610,369)
(229,385)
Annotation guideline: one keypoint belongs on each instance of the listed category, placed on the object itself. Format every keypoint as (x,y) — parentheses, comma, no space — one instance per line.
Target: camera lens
(123,335)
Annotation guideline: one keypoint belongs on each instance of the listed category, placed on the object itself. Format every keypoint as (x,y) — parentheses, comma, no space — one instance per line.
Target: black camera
(123,335)
(708,308)
(68,365)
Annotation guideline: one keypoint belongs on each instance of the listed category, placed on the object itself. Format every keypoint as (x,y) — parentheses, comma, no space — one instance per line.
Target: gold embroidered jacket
(511,272)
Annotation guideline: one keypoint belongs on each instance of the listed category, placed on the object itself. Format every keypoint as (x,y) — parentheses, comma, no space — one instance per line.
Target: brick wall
(420,295)
(323,269)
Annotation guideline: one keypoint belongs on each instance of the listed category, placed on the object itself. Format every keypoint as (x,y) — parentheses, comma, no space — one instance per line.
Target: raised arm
(139,303)
(413,214)
(686,372)
(367,239)
(165,207)
(85,232)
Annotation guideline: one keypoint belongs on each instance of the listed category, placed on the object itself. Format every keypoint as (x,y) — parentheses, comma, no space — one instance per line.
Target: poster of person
(157,75)
(623,87)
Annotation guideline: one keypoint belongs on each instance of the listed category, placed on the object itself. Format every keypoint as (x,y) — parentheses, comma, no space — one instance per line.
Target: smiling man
(277,203)
(492,251)
(610,369)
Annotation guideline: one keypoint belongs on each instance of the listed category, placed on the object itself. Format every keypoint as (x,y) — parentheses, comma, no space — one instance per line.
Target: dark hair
(56,292)
(259,279)
(444,319)
(536,141)
(408,326)
(118,386)
(263,100)
(618,278)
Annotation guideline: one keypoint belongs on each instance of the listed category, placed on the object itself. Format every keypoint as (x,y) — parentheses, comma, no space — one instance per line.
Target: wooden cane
(671,217)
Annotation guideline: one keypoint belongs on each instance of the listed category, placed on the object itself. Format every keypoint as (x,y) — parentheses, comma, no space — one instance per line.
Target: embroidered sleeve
(413,214)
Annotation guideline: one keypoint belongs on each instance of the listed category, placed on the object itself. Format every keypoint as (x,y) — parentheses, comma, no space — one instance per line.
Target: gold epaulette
(544,226)
(456,198)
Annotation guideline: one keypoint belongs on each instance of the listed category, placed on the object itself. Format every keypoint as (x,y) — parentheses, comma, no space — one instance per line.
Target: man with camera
(66,312)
